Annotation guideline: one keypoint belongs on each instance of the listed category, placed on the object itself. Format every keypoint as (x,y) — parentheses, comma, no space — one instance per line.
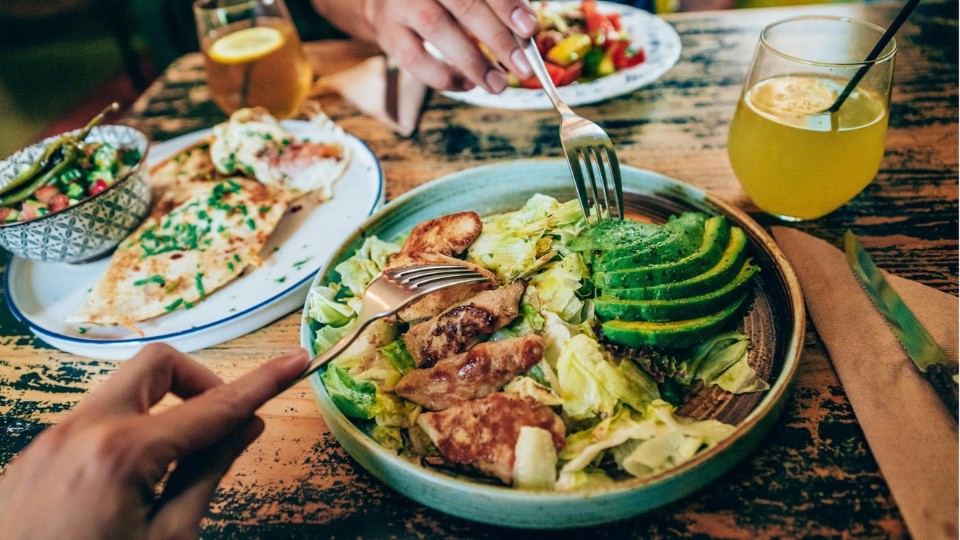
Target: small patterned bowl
(95,225)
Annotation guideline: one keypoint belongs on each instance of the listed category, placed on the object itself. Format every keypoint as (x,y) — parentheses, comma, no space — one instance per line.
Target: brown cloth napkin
(365,86)
(908,428)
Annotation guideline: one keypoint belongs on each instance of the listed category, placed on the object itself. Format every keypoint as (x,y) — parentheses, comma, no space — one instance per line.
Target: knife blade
(928,357)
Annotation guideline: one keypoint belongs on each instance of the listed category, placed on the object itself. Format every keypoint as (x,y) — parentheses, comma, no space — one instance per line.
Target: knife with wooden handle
(929,358)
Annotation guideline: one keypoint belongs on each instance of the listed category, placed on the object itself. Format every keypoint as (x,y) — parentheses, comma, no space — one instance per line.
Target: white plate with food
(655,367)
(246,278)
(599,79)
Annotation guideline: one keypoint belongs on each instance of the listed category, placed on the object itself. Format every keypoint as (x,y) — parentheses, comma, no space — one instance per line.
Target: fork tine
(433,271)
(425,279)
(614,164)
(411,271)
(588,164)
(607,212)
(574,162)
(441,283)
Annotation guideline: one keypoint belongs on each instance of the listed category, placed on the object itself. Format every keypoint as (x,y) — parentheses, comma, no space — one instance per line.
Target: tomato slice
(46,193)
(556,75)
(598,25)
(98,187)
(571,74)
(627,54)
(58,202)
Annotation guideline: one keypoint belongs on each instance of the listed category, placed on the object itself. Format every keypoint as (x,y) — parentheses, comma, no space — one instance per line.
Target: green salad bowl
(774,322)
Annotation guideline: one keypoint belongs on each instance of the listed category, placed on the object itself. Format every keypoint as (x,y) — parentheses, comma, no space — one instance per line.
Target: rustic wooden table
(812,476)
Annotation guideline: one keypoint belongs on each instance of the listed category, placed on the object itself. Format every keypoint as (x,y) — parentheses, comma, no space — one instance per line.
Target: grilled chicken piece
(476,373)
(436,242)
(447,235)
(459,327)
(434,303)
(483,432)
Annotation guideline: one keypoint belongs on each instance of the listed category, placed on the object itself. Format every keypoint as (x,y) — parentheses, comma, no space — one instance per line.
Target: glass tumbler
(252,55)
(794,157)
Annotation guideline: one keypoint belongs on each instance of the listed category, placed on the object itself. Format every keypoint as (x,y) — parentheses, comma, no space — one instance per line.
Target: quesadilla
(184,251)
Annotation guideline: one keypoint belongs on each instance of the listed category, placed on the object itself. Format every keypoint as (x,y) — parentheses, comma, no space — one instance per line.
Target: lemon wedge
(246,45)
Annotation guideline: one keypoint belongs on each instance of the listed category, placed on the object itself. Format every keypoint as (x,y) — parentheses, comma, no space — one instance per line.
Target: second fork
(588,149)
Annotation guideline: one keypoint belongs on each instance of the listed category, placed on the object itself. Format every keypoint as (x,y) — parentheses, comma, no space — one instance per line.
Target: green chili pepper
(70,155)
(41,166)
(37,167)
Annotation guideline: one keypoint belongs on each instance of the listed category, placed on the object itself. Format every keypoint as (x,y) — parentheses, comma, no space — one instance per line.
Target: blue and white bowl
(95,225)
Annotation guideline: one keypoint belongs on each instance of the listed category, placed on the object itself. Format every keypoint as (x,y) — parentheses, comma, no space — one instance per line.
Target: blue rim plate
(42,295)
(775,323)
(662,45)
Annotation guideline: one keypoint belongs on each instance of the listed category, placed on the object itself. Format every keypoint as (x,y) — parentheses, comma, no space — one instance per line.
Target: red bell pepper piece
(627,54)
(556,74)
(571,74)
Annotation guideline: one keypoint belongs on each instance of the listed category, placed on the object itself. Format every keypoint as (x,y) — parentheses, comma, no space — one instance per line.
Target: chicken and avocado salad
(567,369)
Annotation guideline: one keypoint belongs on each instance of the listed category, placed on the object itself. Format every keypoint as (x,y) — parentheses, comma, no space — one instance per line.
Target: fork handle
(321,359)
(529,48)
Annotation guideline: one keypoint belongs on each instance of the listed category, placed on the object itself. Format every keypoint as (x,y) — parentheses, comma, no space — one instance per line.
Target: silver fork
(389,293)
(587,147)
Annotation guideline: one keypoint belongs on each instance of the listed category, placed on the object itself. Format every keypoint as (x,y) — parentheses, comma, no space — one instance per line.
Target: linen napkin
(365,86)
(908,428)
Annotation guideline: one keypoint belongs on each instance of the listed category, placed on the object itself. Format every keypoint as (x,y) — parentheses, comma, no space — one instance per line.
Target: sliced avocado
(716,235)
(673,246)
(675,310)
(669,335)
(611,233)
(686,231)
(731,263)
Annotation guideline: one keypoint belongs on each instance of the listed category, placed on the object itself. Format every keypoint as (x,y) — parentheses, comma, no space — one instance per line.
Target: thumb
(187,495)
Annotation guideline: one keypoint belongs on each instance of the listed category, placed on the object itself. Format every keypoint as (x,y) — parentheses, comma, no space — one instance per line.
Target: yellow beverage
(261,64)
(796,161)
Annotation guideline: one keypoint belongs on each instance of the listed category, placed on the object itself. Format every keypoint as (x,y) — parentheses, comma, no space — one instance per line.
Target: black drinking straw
(884,39)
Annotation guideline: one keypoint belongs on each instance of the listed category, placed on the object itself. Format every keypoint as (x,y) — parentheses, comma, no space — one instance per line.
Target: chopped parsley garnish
(199,279)
(230,266)
(82,329)
(156,278)
(263,209)
(174,305)
(281,279)
(173,234)
(276,249)
(299,264)
(252,224)
(236,258)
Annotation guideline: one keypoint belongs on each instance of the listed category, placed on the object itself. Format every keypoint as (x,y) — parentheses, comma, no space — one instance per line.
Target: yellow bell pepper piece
(570,49)
(606,66)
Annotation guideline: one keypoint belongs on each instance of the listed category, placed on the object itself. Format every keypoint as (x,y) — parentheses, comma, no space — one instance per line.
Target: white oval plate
(661,42)
(42,295)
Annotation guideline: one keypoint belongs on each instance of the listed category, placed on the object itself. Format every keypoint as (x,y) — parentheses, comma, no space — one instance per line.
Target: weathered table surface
(813,475)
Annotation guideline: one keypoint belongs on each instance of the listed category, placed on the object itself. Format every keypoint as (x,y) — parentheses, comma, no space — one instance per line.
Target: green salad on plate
(614,325)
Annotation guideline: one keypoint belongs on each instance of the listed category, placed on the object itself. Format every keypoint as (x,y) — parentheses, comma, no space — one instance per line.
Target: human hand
(96,474)
(402,27)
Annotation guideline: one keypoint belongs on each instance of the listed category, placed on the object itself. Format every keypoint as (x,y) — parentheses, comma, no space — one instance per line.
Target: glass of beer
(793,154)
(252,55)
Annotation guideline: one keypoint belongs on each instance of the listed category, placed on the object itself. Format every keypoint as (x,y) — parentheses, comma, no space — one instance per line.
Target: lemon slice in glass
(246,45)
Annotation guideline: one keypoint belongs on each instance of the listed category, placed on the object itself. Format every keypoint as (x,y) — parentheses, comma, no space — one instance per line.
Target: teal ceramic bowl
(775,323)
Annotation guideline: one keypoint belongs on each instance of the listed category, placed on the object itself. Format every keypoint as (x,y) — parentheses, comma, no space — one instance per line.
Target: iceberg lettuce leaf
(367,263)
(535,459)
(325,309)
(722,360)
(353,398)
